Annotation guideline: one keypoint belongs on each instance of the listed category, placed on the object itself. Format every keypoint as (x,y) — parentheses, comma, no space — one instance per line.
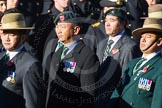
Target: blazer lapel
(150,63)
(118,45)
(55,63)
(101,48)
(2,54)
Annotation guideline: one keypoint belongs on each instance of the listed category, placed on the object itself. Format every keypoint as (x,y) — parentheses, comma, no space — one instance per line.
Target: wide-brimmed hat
(111,3)
(117,12)
(150,25)
(14,21)
(154,11)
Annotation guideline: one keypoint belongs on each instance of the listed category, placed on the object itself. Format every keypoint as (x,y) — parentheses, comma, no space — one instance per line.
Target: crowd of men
(80,53)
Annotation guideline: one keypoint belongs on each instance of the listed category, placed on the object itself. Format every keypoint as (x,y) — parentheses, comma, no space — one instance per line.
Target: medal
(11,77)
(8,79)
(12,80)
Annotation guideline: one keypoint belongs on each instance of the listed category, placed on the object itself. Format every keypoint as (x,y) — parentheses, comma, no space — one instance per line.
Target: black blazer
(26,91)
(82,78)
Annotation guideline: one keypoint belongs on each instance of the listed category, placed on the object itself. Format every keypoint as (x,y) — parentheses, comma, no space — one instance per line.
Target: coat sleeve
(130,53)
(157,95)
(32,87)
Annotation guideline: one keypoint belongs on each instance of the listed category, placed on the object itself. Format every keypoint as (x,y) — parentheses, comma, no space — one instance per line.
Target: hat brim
(151,17)
(26,28)
(139,31)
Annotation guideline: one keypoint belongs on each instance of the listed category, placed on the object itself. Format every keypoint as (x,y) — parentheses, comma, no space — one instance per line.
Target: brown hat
(150,25)
(111,3)
(14,21)
(154,11)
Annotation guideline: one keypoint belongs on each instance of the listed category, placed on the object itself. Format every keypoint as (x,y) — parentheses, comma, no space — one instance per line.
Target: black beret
(111,3)
(66,16)
(117,12)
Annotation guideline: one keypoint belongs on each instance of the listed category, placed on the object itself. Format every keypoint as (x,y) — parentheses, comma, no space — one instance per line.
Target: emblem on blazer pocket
(69,66)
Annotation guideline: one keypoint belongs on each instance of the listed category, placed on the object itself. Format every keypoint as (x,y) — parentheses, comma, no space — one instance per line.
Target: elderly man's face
(11,39)
(113,25)
(66,32)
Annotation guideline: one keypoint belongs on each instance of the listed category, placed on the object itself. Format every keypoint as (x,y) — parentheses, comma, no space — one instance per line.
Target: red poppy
(62,18)
(10,63)
(145,69)
(114,51)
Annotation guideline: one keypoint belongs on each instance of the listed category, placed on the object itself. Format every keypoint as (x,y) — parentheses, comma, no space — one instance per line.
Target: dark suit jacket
(73,87)
(26,92)
(128,50)
(131,95)
(94,35)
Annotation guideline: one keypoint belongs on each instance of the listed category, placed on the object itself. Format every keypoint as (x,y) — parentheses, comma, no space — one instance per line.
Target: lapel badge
(11,77)
(69,66)
(144,84)
(145,69)
(114,51)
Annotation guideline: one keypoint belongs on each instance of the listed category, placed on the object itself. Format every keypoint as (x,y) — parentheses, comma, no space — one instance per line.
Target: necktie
(138,65)
(65,50)
(107,49)
(59,45)
(7,57)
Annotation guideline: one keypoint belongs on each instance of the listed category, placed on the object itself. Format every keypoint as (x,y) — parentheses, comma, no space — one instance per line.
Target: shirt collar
(116,38)
(150,56)
(71,47)
(14,53)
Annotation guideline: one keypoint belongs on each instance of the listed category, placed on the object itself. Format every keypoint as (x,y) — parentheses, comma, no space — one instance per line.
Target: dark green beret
(117,12)
(66,16)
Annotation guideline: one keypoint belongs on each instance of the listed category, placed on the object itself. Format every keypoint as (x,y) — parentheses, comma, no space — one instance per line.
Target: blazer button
(131,104)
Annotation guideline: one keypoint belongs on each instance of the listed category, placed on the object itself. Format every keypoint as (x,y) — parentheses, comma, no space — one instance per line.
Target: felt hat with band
(150,25)
(14,21)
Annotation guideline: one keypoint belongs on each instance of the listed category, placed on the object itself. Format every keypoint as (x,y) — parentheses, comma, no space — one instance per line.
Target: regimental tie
(7,57)
(59,45)
(138,65)
(107,49)
(65,50)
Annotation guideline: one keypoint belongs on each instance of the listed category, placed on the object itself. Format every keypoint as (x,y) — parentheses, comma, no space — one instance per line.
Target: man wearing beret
(96,32)
(20,72)
(44,25)
(70,67)
(142,79)
(119,46)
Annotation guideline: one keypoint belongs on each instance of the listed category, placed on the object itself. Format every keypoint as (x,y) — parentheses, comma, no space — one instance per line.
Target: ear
(159,43)
(76,30)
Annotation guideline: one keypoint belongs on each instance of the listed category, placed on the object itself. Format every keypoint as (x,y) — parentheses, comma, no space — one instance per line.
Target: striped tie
(65,50)
(138,65)
(107,49)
